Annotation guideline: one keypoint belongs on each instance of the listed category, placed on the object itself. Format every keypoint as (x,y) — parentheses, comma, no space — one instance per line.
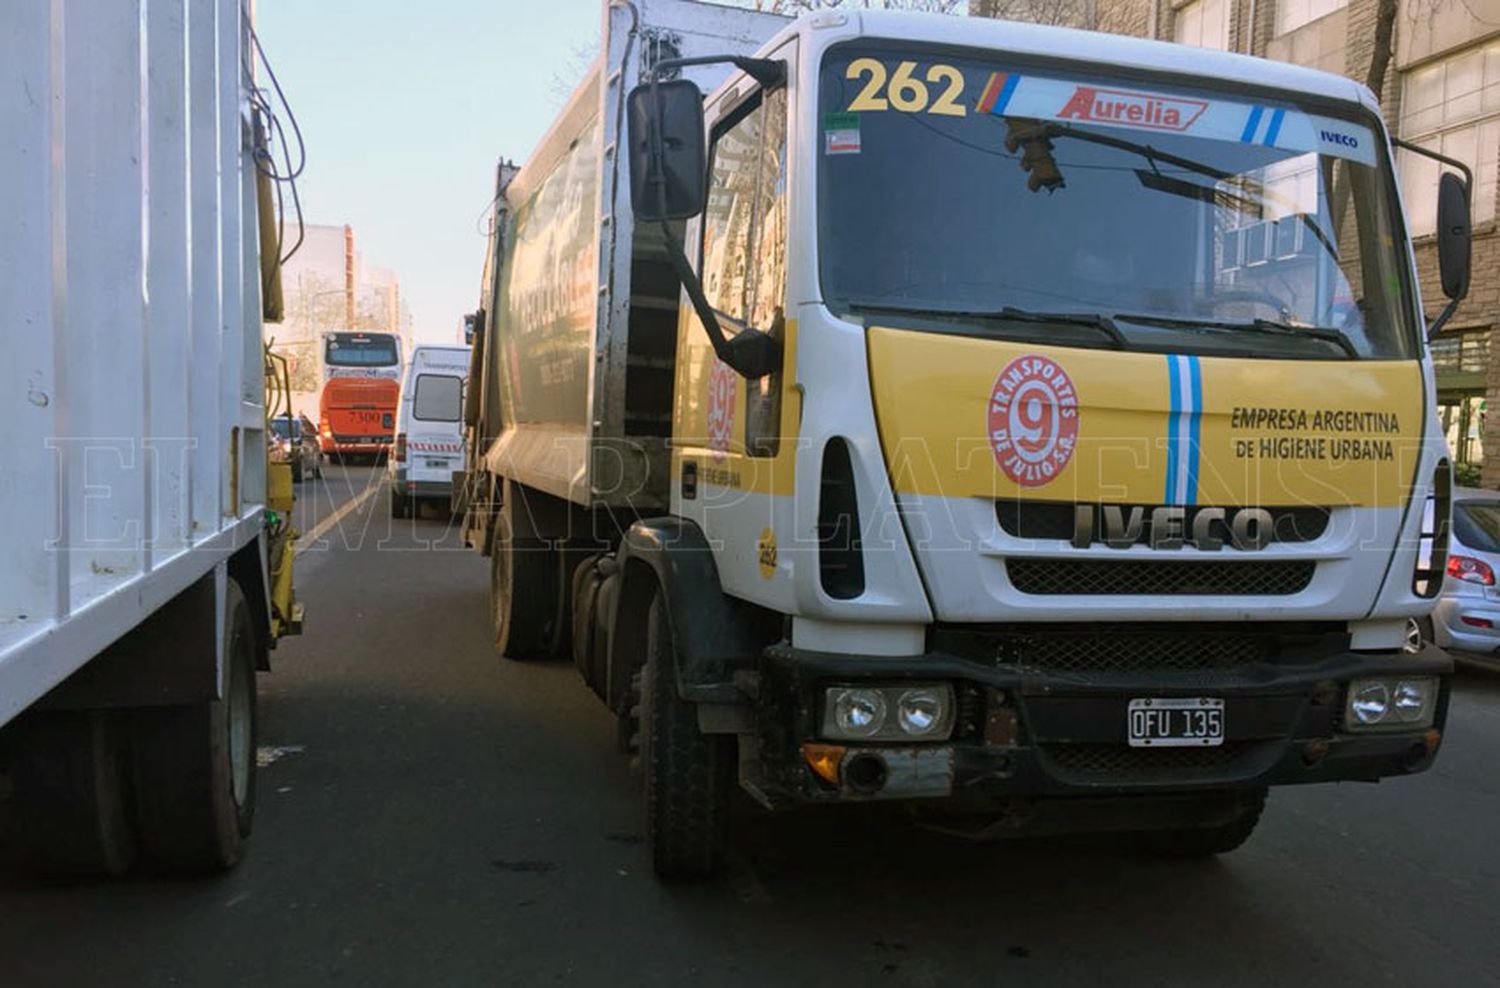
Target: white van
(429,446)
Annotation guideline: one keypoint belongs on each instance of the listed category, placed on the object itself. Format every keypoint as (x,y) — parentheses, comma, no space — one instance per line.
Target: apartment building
(1441,89)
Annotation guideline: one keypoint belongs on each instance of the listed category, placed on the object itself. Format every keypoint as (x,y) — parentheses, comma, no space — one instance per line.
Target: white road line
(351,505)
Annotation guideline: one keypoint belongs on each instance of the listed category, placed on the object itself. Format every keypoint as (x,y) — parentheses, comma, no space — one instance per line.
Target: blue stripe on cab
(1194,452)
(1171,430)
(1274,128)
(1252,125)
(1006,92)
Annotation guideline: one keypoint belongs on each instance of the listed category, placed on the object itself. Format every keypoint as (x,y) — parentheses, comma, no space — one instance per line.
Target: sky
(405,108)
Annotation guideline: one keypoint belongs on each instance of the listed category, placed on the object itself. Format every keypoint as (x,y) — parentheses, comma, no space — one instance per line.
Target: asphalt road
(430,814)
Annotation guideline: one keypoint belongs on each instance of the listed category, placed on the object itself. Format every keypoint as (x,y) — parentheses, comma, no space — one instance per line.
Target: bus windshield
(981,197)
(360,350)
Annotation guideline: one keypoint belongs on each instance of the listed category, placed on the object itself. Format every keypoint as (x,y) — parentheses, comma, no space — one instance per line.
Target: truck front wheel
(1204,842)
(195,763)
(523,602)
(689,776)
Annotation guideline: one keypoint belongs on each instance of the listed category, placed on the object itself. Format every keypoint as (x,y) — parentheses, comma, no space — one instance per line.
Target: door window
(743,250)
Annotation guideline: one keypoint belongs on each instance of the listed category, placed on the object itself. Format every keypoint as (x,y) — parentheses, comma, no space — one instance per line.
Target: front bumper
(355,444)
(1026,732)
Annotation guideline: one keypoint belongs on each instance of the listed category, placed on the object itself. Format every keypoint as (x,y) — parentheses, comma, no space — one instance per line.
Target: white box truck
(1027,425)
(145,578)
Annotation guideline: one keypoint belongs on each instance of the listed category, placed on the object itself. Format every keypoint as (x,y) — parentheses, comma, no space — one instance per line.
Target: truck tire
(400,505)
(1205,842)
(689,776)
(70,812)
(195,764)
(523,591)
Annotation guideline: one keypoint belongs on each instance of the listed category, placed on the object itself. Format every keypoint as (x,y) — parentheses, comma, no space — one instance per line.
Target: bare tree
(794,7)
(580,60)
(1059,13)
(1385,44)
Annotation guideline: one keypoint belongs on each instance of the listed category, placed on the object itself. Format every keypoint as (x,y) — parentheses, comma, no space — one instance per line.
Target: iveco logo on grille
(1172,526)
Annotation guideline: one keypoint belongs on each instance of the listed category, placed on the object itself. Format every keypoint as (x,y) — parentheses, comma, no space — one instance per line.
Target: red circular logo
(721,390)
(1033,420)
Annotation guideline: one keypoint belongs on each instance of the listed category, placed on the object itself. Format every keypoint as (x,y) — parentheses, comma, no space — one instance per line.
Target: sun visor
(1011,94)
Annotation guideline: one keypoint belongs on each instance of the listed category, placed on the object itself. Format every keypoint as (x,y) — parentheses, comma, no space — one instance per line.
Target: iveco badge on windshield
(1171,526)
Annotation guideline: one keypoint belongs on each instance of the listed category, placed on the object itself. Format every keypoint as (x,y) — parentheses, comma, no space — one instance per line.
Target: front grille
(1026,519)
(1156,578)
(1122,763)
(1136,652)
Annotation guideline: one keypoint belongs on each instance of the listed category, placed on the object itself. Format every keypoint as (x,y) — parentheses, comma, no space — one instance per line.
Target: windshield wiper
(1093,320)
(1270,327)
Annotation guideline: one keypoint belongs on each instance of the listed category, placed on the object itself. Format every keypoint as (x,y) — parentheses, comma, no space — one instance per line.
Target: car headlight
(1386,704)
(920,712)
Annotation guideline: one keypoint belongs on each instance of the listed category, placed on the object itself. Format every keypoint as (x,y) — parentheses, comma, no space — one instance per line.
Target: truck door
(733,458)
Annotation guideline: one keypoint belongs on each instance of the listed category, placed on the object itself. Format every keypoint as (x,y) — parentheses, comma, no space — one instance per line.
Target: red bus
(361,386)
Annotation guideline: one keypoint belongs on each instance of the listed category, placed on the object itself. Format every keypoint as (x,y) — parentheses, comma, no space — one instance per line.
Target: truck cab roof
(1095,47)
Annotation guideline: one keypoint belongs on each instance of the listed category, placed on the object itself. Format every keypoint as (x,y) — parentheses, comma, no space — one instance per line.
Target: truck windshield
(985,198)
(359,350)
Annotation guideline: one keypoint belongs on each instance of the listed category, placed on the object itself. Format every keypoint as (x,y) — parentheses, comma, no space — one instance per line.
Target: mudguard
(715,635)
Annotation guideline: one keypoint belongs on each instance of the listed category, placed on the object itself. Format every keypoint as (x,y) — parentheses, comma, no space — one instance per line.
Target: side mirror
(471,321)
(1453,238)
(668,161)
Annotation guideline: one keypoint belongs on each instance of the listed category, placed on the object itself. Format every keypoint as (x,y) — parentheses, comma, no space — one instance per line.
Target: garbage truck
(148,545)
(1031,427)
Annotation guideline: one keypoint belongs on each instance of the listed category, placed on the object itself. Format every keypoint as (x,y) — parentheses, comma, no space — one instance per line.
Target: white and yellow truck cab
(1031,425)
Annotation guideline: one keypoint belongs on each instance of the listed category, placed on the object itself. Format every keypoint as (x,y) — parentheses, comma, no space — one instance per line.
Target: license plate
(1176,722)
(437,464)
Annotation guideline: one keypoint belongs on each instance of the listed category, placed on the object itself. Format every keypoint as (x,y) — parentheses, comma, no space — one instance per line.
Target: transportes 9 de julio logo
(1033,420)
(721,394)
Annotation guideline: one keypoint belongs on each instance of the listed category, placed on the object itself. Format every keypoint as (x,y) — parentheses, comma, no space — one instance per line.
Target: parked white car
(429,445)
(1466,620)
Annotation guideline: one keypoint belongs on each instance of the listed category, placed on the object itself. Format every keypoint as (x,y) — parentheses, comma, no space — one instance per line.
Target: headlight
(1370,702)
(919,712)
(1391,703)
(858,713)
(916,712)
(1412,701)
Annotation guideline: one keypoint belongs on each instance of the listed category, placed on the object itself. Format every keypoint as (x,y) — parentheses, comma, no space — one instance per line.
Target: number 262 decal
(904,92)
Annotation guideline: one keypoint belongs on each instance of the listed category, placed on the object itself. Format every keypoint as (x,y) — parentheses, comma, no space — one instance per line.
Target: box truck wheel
(523,591)
(195,763)
(1203,842)
(689,776)
(70,813)
(400,505)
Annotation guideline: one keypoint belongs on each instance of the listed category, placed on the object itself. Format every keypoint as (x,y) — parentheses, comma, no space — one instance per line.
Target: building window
(1292,14)
(1453,107)
(1204,23)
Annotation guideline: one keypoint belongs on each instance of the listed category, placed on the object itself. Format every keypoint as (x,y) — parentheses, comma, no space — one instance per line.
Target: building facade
(1441,89)
(327,286)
